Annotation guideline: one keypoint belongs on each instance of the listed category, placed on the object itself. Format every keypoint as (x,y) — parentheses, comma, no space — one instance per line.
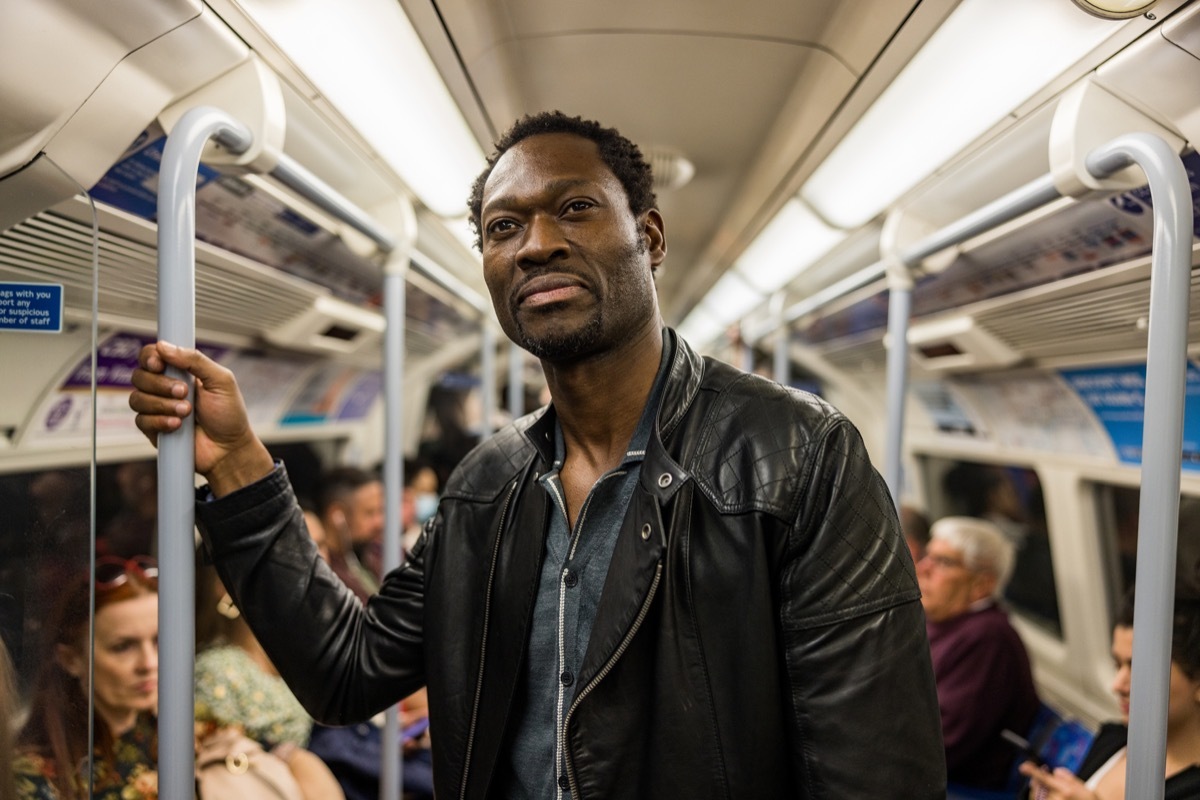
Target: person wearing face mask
(420,499)
(51,756)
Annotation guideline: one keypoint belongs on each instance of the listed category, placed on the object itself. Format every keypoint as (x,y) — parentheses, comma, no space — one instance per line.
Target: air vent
(671,169)
(957,344)
(329,325)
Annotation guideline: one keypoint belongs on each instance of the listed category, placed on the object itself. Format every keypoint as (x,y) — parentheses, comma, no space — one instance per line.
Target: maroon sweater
(984,685)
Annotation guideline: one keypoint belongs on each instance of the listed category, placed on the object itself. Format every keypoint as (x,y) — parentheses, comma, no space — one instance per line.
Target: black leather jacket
(759,635)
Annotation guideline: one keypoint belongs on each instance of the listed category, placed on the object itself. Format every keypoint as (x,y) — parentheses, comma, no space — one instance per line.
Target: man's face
(364,514)
(948,585)
(568,265)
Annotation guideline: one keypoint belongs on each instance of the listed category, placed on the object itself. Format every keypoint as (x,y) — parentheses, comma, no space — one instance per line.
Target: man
(984,683)
(350,504)
(678,580)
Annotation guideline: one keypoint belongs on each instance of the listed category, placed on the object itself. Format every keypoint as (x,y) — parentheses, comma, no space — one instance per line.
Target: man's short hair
(618,153)
(339,483)
(984,547)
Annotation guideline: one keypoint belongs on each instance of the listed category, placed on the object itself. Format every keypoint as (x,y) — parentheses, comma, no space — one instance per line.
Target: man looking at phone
(984,682)
(677,580)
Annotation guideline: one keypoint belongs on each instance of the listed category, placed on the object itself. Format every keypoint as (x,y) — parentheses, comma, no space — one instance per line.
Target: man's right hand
(228,454)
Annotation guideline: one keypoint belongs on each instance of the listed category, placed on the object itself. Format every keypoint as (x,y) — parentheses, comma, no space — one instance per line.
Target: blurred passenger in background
(915,527)
(134,528)
(9,705)
(350,504)
(1102,774)
(986,491)
(984,682)
(52,749)
(420,499)
(237,685)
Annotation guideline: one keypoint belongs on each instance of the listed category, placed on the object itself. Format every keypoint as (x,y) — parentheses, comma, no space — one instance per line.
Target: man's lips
(547,289)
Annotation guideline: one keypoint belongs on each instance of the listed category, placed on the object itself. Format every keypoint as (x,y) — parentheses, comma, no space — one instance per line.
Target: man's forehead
(550,159)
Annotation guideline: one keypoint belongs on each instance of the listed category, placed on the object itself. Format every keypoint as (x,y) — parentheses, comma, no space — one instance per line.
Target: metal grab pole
(1162,442)
(392,775)
(1032,195)
(899,315)
(291,174)
(176,451)
(516,380)
(487,380)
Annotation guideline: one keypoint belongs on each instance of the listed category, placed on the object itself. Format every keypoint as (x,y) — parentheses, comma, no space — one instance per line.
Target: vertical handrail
(176,451)
(1162,447)
(516,380)
(899,315)
(392,768)
(1026,198)
(487,380)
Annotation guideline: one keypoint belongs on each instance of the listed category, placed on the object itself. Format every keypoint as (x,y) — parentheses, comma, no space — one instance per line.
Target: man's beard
(562,345)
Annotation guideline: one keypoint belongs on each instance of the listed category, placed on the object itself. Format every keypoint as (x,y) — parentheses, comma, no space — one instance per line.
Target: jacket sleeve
(864,716)
(344,662)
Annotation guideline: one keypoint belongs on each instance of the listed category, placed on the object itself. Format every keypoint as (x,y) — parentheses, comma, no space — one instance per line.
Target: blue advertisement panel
(1117,396)
(31,307)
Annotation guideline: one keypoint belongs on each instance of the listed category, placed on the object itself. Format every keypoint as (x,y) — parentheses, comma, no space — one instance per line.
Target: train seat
(1060,742)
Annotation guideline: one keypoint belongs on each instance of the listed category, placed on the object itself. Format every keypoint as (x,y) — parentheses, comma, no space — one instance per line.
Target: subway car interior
(937,215)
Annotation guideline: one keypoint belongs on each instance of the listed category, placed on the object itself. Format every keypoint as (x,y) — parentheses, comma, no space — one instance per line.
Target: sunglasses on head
(112,571)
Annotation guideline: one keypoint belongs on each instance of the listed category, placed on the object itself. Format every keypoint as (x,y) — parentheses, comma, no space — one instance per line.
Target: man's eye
(501,226)
(579,205)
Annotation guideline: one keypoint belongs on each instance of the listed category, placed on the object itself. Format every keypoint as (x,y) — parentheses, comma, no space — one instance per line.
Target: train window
(1118,508)
(1010,497)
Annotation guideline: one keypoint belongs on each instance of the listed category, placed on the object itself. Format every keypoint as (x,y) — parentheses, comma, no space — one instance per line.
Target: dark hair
(57,724)
(618,153)
(339,483)
(970,486)
(1185,631)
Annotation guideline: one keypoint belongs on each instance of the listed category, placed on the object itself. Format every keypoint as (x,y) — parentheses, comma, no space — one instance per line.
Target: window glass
(1119,507)
(1011,498)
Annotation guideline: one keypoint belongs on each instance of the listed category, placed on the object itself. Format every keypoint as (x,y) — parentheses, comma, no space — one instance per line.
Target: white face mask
(425,506)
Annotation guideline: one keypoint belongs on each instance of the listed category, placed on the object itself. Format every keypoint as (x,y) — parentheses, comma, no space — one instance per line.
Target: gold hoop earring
(226,608)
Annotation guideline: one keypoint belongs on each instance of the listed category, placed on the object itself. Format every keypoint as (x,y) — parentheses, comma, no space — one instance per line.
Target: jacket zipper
(487,610)
(608,667)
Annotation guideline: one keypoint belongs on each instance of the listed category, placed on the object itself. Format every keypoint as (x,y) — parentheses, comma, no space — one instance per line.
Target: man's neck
(599,401)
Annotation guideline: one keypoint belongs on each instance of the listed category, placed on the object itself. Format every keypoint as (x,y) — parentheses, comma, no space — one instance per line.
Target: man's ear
(654,236)
(71,660)
(985,585)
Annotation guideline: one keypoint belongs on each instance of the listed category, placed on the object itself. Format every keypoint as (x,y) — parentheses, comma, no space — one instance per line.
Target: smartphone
(1023,746)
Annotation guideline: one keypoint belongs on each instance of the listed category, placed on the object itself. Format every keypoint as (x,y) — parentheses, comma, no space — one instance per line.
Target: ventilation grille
(1111,319)
(232,295)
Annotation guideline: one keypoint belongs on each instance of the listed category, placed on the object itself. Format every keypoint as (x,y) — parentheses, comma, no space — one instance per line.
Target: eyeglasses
(944,562)
(112,571)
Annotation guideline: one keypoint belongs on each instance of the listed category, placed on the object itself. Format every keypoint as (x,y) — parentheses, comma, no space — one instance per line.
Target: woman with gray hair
(984,682)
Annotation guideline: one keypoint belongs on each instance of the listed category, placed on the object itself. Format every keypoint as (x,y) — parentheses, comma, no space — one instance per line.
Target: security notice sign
(32,307)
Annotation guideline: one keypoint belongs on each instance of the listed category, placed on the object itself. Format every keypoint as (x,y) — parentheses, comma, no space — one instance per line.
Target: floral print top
(131,773)
(231,689)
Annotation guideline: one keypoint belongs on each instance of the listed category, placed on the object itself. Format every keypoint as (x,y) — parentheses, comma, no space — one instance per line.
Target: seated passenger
(350,504)
(237,685)
(1102,774)
(52,749)
(984,682)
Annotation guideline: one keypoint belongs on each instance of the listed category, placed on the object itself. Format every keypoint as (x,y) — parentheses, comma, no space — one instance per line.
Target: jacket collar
(679,389)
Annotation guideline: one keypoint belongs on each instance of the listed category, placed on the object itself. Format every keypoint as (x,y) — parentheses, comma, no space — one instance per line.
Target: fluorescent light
(366,59)
(985,60)
(730,298)
(701,328)
(789,244)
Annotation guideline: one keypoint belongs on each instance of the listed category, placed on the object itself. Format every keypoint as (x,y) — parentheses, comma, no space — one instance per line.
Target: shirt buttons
(564,783)
(664,480)
(567,678)
(570,578)
(646,532)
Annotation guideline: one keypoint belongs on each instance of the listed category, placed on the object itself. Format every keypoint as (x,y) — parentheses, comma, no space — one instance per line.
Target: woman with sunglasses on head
(1101,776)
(52,750)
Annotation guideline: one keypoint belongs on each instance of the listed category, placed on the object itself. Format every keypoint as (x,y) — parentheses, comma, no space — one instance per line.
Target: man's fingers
(215,376)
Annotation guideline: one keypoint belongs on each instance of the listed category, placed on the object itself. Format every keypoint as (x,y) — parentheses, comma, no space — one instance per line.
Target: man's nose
(542,243)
